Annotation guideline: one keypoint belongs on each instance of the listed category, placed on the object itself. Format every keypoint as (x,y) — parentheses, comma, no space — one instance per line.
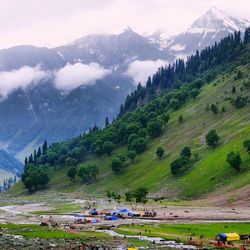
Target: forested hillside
(183,135)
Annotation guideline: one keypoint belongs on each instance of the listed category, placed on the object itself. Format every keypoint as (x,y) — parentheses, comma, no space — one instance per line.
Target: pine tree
(44,147)
(39,152)
(106,122)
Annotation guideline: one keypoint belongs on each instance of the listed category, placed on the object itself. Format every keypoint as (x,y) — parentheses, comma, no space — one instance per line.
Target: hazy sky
(55,22)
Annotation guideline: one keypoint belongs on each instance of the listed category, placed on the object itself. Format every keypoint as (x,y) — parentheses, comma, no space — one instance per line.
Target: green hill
(207,169)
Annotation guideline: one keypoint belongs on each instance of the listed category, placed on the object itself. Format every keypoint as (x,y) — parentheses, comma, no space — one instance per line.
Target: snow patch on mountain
(178,47)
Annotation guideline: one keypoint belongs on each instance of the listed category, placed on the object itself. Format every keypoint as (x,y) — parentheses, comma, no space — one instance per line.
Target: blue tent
(125,210)
(110,218)
(94,220)
(93,212)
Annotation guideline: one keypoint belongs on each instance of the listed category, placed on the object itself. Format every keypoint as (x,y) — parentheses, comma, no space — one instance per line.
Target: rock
(45,223)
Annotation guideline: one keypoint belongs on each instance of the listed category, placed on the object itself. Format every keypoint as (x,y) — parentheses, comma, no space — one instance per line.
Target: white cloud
(75,75)
(20,78)
(140,70)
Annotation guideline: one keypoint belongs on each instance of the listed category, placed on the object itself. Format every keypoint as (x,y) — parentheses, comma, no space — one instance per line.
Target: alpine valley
(45,107)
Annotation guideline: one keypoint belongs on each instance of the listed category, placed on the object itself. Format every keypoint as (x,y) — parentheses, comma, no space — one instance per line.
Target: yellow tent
(232,236)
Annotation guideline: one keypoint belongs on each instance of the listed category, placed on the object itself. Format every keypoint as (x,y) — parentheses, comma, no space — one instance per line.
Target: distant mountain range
(58,93)
(206,30)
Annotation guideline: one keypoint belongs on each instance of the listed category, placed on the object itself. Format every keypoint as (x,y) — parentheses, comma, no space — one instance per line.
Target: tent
(93,212)
(228,237)
(110,218)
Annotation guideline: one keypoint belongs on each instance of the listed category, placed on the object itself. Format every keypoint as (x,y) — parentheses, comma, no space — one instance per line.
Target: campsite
(99,222)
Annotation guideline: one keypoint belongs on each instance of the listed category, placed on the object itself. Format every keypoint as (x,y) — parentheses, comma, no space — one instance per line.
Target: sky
(50,23)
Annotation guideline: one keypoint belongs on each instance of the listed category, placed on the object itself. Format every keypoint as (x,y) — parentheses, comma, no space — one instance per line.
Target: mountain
(205,31)
(58,93)
(113,51)
(201,123)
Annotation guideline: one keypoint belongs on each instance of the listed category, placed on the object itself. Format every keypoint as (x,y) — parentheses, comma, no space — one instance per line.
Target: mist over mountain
(58,93)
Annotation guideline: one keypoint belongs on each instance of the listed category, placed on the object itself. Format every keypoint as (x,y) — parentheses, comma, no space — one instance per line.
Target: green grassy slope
(208,173)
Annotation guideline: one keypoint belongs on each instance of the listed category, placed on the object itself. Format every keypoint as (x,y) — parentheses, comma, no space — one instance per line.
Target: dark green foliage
(108,147)
(247,36)
(44,147)
(238,75)
(234,160)
(174,103)
(233,90)
(98,152)
(246,84)
(223,109)
(88,173)
(72,173)
(160,152)
(78,153)
(194,93)
(131,138)
(154,128)
(122,158)
(180,119)
(35,176)
(186,153)
(106,122)
(212,138)
(178,166)
(117,165)
(70,162)
(113,195)
(240,102)
(131,155)
(165,117)
(129,196)
(139,145)
(246,145)
(140,195)
(28,183)
(214,109)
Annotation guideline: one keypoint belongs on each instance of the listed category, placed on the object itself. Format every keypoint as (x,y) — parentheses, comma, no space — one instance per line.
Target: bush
(117,165)
(160,152)
(154,128)
(186,153)
(88,173)
(212,138)
(139,145)
(178,166)
(246,145)
(72,173)
(214,109)
(234,159)
(108,147)
(131,155)
(240,102)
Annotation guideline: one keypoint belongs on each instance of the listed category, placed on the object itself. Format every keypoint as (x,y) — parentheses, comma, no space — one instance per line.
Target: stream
(156,240)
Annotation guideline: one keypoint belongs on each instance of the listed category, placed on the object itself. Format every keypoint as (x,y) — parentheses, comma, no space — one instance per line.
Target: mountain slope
(206,171)
(43,110)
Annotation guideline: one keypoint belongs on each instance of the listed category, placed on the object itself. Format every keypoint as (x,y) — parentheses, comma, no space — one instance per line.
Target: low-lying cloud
(20,78)
(140,70)
(65,79)
(75,75)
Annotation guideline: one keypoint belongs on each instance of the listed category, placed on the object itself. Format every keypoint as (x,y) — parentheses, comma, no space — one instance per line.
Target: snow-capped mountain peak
(210,27)
(215,19)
